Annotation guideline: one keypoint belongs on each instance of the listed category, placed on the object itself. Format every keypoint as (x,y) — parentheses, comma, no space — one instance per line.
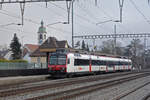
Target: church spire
(42,23)
(41,33)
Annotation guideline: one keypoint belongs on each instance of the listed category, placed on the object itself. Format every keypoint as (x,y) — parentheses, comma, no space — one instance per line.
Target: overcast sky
(85,18)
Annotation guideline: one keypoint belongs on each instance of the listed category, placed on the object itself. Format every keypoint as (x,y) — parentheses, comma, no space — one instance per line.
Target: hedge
(14,61)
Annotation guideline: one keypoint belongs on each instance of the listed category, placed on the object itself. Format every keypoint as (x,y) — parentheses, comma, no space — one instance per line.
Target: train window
(68,61)
(95,62)
(112,63)
(104,62)
(117,63)
(53,60)
(120,63)
(57,60)
(109,63)
(99,62)
(81,62)
(61,60)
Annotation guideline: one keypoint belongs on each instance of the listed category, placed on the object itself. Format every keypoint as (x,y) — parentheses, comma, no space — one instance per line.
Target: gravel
(113,92)
(105,94)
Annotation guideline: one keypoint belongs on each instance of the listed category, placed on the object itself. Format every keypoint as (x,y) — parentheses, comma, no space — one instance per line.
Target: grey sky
(86,16)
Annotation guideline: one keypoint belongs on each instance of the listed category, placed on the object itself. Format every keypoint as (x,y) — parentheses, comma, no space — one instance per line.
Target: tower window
(40,36)
(44,36)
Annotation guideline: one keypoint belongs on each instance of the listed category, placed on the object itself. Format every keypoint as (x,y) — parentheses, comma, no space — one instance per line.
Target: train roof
(95,57)
(78,51)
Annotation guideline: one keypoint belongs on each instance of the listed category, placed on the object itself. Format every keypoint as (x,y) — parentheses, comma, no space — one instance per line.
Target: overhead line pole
(145,47)
(121,2)
(115,38)
(72,23)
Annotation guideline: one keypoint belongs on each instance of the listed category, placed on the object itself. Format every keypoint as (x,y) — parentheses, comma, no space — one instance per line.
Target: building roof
(31,47)
(52,42)
(50,45)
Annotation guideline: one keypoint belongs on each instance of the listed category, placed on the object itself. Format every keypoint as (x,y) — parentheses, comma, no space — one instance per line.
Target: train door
(70,65)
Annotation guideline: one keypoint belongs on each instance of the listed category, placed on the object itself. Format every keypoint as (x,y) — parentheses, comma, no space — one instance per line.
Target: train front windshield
(57,60)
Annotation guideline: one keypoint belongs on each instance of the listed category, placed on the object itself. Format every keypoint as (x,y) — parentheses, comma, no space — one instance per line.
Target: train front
(57,64)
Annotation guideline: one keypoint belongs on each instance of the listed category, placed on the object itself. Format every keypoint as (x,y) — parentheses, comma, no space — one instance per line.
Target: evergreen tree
(83,45)
(87,48)
(15,48)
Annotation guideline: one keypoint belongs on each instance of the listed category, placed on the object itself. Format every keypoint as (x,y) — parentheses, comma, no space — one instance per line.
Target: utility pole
(121,2)
(115,29)
(72,24)
(144,63)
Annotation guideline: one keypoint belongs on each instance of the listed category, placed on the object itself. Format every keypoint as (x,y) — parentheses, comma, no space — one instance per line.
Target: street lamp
(57,23)
(115,31)
(107,21)
(10,24)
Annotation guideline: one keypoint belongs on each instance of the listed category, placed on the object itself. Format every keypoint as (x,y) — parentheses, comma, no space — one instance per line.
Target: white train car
(76,63)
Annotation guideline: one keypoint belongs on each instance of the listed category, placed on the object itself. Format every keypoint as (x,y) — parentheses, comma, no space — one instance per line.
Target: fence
(10,66)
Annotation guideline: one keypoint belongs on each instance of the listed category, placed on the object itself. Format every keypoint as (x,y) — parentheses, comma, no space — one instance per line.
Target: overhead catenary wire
(29,20)
(60,15)
(87,20)
(140,12)
(81,17)
(111,17)
(34,22)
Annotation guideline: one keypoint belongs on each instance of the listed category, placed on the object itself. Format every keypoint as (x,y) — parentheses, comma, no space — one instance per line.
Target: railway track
(72,93)
(131,91)
(147,97)
(58,84)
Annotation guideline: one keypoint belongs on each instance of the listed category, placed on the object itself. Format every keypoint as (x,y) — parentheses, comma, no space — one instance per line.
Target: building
(27,50)
(50,45)
(41,33)
(6,54)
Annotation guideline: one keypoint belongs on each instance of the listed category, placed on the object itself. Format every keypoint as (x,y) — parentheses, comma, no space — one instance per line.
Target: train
(72,63)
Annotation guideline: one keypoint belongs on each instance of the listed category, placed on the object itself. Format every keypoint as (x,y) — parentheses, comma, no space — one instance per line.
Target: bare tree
(108,47)
(135,51)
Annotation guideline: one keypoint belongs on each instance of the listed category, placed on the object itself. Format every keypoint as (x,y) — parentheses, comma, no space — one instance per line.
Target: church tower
(41,33)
